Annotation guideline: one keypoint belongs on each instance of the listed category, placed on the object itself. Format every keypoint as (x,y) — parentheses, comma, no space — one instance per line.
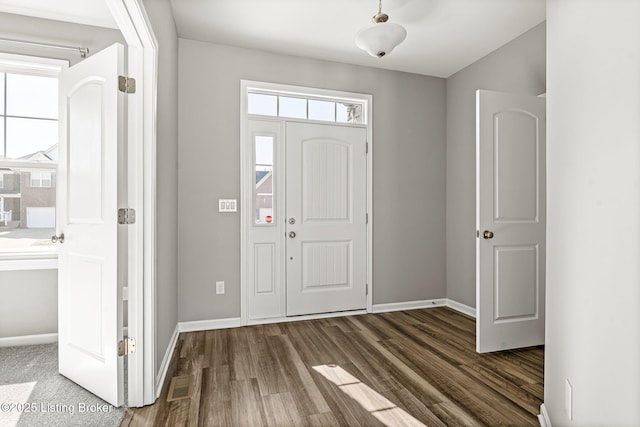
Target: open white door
(510,221)
(326,218)
(89,309)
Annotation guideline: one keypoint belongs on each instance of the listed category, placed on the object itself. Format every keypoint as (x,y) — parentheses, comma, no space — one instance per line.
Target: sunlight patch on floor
(13,402)
(379,406)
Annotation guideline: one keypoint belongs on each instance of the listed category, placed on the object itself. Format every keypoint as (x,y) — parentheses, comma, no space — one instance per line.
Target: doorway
(138,274)
(306,202)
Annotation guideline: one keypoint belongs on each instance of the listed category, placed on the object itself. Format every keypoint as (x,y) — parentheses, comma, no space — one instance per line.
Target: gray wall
(593,175)
(408,177)
(517,67)
(28,302)
(29,299)
(161,17)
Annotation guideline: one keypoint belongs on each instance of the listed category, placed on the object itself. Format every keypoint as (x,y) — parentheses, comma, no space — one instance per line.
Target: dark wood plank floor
(414,367)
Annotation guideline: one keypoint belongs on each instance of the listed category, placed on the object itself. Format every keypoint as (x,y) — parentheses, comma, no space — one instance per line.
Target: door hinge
(126,84)
(126,346)
(366,292)
(366,148)
(366,218)
(126,216)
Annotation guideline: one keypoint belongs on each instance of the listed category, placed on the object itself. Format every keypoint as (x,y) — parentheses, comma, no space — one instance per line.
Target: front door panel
(326,222)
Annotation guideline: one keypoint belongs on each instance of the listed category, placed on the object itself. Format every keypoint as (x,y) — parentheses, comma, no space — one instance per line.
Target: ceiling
(444,36)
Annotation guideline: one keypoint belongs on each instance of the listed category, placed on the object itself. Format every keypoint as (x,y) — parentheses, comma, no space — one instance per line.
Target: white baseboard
(409,305)
(166,361)
(413,305)
(203,325)
(543,418)
(462,308)
(28,340)
(235,322)
(268,320)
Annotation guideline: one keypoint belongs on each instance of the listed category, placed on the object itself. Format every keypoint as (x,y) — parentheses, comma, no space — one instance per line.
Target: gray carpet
(30,374)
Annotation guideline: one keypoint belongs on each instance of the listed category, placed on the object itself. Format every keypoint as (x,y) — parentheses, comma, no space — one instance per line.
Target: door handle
(55,239)
(487,234)
(292,234)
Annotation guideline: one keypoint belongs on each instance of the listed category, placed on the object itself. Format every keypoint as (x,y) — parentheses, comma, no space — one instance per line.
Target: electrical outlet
(568,400)
(219,288)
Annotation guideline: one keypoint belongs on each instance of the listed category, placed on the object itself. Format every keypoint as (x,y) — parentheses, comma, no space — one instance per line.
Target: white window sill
(29,260)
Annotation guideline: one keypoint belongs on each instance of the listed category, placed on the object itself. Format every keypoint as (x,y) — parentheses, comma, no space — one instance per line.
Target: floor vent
(180,388)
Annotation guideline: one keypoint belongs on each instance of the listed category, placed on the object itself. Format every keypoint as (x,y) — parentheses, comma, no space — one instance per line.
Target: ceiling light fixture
(382,37)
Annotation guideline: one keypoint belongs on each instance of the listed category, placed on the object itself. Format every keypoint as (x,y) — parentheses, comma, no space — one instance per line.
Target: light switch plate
(227,205)
(219,288)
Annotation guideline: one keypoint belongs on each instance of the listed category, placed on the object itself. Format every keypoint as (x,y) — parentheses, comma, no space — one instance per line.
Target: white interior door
(510,215)
(326,223)
(89,311)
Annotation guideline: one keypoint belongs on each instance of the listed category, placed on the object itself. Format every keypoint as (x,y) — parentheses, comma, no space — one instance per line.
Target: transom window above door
(302,107)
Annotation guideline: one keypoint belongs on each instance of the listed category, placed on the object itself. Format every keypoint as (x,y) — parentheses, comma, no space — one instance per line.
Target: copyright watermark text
(59,408)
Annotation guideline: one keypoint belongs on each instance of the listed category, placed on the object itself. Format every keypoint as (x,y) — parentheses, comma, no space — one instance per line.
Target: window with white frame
(28,152)
(298,106)
(264,145)
(41,179)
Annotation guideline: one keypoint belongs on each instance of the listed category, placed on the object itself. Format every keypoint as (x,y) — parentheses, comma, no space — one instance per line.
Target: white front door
(89,310)
(510,216)
(325,218)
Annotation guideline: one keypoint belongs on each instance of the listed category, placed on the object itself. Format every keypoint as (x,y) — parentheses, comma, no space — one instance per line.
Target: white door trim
(245,198)
(142,51)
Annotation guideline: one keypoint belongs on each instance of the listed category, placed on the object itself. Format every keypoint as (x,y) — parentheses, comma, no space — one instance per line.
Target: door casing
(245,199)
(142,64)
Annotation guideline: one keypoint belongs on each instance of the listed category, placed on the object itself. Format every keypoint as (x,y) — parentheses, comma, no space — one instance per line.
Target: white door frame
(245,197)
(142,64)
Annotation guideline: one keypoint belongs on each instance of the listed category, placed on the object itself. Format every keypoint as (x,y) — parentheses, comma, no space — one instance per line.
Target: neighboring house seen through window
(28,153)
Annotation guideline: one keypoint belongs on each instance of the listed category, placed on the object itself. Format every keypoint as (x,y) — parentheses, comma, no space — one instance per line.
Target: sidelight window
(263,200)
